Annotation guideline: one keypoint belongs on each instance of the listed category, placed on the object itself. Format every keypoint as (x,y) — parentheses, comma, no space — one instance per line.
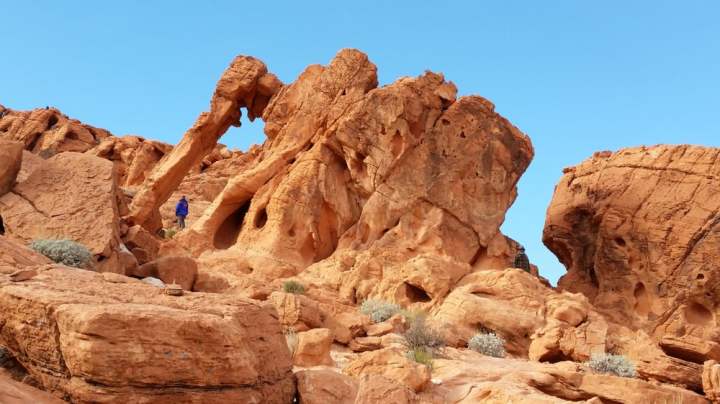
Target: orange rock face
(134,157)
(10,163)
(355,178)
(639,232)
(245,84)
(69,196)
(48,132)
(96,340)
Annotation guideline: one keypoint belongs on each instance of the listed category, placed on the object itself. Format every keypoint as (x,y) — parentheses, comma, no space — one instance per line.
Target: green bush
(294,287)
(421,355)
(419,335)
(617,365)
(488,344)
(379,310)
(66,252)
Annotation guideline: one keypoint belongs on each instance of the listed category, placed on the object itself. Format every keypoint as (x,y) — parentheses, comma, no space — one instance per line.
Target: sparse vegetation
(168,233)
(421,355)
(618,365)
(66,252)
(379,310)
(294,287)
(419,335)
(291,338)
(488,343)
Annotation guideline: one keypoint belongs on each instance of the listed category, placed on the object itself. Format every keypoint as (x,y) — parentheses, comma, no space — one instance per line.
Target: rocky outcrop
(355,178)
(322,386)
(70,196)
(14,256)
(14,392)
(48,131)
(245,84)
(711,380)
(171,270)
(134,157)
(639,232)
(114,340)
(10,163)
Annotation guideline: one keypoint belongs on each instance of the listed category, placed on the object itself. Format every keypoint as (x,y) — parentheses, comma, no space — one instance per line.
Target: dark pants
(181,222)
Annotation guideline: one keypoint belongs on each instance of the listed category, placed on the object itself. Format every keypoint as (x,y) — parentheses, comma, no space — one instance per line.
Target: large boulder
(324,386)
(10,163)
(70,196)
(100,339)
(392,364)
(639,233)
(313,348)
(171,270)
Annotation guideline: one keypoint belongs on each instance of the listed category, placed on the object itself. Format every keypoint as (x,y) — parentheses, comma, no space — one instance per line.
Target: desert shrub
(293,287)
(488,344)
(379,310)
(66,252)
(618,365)
(291,338)
(421,355)
(168,233)
(419,335)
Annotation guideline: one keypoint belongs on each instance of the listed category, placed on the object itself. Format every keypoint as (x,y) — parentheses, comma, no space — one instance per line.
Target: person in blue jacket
(181,211)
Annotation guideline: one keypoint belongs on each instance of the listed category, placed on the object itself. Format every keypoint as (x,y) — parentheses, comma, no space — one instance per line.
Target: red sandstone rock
(313,348)
(324,386)
(171,270)
(10,163)
(134,157)
(246,83)
(48,131)
(392,364)
(639,232)
(296,312)
(70,196)
(98,341)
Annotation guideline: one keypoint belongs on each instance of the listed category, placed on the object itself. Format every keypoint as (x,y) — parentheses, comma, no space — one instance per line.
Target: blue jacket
(181,209)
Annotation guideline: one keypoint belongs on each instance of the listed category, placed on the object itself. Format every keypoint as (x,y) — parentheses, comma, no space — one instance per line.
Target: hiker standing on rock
(181,211)
(521,260)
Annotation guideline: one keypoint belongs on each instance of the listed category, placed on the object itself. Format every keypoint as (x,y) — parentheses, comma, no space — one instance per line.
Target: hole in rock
(462,135)
(554,357)
(445,122)
(396,144)
(261,218)
(101,258)
(307,250)
(699,276)
(52,122)
(642,301)
(229,230)
(72,136)
(619,241)
(416,294)
(683,354)
(696,313)
(291,232)
(593,276)
(2,226)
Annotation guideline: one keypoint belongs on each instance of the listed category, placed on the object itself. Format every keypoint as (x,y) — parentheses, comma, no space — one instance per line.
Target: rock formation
(639,231)
(245,84)
(48,132)
(10,163)
(69,196)
(359,192)
(119,340)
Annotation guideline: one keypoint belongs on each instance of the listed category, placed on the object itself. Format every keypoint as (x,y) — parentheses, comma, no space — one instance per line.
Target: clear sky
(576,76)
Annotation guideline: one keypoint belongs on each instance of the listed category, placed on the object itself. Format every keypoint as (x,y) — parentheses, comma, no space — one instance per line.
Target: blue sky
(576,76)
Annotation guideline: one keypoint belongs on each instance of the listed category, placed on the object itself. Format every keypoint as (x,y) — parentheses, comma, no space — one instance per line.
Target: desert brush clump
(420,335)
(618,365)
(293,287)
(379,310)
(488,343)
(421,355)
(66,252)
(421,339)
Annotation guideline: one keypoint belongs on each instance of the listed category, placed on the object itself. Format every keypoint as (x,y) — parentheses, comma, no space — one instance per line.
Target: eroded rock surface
(47,131)
(639,231)
(98,339)
(10,163)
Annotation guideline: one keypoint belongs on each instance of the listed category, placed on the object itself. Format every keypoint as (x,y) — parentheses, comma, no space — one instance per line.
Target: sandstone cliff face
(639,231)
(48,131)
